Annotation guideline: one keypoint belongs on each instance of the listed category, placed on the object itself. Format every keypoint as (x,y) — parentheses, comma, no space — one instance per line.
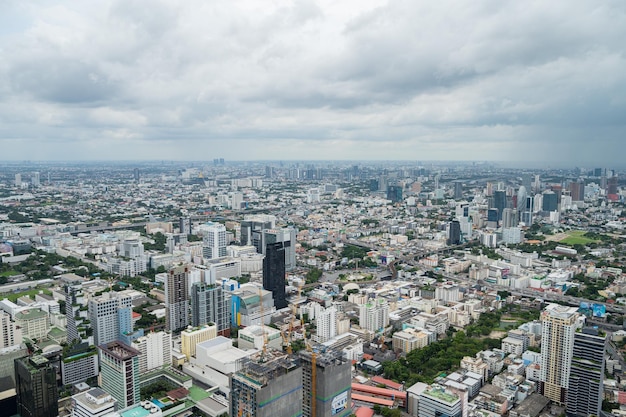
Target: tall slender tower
(36,386)
(558,326)
(177,298)
(274,273)
(585,390)
(210,305)
(119,372)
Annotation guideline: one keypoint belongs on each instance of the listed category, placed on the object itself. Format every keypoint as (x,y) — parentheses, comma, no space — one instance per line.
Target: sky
(540,81)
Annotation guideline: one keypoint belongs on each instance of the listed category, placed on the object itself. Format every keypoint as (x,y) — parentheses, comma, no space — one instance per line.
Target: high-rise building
(394,193)
(526,215)
(177,299)
(209,304)
(111,316)
(184,225)
(499,202)
(18,180)
(454,233)
(35,180)
(550,201)
(285,236)
(509,218)
(156,350)
(558,326)
(374,315)
(79,364)
(252,228)
(267,385)
(274,273)
(214,241)
(521,199)
(36,387)
(10,334)
(585,390)
(119,372)
(326,324)
(191,336)
(458,190)
(330,386)
(72,306)
(577,190)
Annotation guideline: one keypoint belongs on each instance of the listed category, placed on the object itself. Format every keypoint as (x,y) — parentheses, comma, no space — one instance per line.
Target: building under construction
(327,377)
(269,384)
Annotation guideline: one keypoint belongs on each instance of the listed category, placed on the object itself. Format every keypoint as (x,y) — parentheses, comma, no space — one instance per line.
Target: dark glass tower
(455,233)
(274,273)
(584,392)
(499,202)
(36,386)
(208,305)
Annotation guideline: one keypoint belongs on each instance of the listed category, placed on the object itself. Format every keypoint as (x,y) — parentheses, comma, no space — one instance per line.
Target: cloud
(373,79)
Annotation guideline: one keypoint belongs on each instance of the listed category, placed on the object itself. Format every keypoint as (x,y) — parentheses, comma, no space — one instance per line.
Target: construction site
(269,384)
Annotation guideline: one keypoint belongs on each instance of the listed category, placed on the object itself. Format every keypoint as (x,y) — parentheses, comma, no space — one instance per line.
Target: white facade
(156,350)
(10,335)
(374,315)
(214,241)
(93,403)
(326,324)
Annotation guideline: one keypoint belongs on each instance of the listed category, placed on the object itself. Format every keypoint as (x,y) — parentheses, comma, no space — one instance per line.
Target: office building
(274,273)
(209,304)
(177,299)
(18,180)
(558,326)
(269,384)
(526,215)
(577,190)
(251,305)
(454,233)
(36,387)
(35,323)
(252,228)
(585,389)
(458,190)
(184,225)
(35,180)
(550,201)
(94,402)
(509,218)
(330,384)
(499,202)
(259,337)
(119,372)
(214,241)
(394,193)
(111,316)
(155,350)
(288,239)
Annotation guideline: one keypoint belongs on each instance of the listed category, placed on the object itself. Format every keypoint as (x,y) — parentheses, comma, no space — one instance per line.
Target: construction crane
(263,324)
(313,371)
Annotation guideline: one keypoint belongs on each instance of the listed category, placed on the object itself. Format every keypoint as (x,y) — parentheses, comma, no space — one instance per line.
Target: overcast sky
(329,79)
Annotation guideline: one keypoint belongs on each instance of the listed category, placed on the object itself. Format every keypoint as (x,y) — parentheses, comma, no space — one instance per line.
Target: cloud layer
(250,79)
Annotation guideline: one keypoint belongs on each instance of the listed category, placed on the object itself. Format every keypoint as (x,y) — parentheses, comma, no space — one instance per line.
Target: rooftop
(441,394)
(119,350)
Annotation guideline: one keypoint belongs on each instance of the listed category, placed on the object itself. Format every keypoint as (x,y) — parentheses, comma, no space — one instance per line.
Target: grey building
(585,390)
(36,387)
(333,383)
(209,304)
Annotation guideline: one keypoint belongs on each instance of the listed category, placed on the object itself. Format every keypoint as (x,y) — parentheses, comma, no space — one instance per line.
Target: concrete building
(255,336)
(119,372)
(267,385)
(79,365)
(274,273)
(251,305)
(409,339)
(156,350)
(190,337)
(177,299)
(329,386)
(374,315)
(10,334)
(209,304)
(558,326)
(326,324)
(94,402)
(111,316)
(34,323)
(436,401)
(287,237)
(36,387)
(214,240)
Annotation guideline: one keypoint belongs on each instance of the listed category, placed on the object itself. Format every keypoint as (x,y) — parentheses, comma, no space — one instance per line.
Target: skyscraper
(71,309)
(374,315)
(394,193)
(458,190)
(585,390)
(274,273)
(209,305)
(111,316)
(252,228)
(454,235)
(499,202)
(285,236)
(119,372)
(550,201)
(332,390)
(214,241)
(36,387)
(177,298)
(558,326)
(184,225)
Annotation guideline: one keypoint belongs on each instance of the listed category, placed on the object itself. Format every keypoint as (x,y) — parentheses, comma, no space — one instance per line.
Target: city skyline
(373,80)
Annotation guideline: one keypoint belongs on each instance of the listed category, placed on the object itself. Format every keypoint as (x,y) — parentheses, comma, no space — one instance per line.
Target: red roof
(373,400)
(367,356)
(379,391)
(364,412)
(136,315)
(387,382)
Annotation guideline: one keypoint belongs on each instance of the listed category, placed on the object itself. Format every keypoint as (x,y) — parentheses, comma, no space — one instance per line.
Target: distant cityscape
(311,288)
